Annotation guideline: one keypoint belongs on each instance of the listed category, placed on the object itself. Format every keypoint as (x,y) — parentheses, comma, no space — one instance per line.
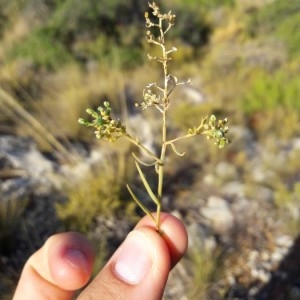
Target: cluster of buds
(217,130)
(106,127)
(150,98)
(163,27)
(214,130)
(156,12)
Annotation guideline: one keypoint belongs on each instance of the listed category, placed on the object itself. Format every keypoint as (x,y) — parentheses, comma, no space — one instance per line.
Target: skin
(140,266)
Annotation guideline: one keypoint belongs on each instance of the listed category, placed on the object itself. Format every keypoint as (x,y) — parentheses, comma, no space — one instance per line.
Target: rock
(18,189)
(6,162)
(22,153)
(242,140)
(23,168)
(9,168)
(200,237)
(226,171)
(192,94)
(209,179)
(284,241)
(261,174)
(143,130)
(79,171)
(234,189)
(296,143)
(218,215)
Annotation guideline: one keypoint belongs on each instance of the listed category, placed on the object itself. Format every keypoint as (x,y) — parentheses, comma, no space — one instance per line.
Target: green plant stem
(188,135)
(161,170)
(142,147)
(164,124)
(179,138)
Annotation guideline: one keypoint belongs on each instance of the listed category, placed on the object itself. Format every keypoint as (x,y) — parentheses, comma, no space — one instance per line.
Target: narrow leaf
(146,184)
(140,204)
(176,151)
(142,162)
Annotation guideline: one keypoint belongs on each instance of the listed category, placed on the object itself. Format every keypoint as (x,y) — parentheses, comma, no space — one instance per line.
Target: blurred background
(241,205)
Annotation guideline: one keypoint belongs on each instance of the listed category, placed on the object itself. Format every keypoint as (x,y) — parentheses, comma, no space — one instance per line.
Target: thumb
(139,269)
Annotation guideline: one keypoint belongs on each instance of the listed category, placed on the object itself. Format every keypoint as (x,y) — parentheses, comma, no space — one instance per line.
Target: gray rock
(22,153)
(226,171)
(218,215)
(234,189)
(200,237)
(242,140)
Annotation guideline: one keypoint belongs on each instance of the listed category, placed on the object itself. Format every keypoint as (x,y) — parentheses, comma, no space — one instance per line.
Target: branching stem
(159,97)
(142,147)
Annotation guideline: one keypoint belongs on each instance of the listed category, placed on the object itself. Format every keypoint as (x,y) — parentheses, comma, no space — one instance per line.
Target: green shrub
(70,24)
(108,53)
(192,26)
(42,49)
(270,91)
(271,104)
(204,4)
(288,31)
(76,16)
(281,18)
(270,16)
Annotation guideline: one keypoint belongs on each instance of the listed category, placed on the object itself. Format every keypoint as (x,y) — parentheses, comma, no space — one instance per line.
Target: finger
(139,268)
(55,271)
(173,233)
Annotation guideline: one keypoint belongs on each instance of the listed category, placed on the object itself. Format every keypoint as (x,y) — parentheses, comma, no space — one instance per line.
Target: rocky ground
(229,210)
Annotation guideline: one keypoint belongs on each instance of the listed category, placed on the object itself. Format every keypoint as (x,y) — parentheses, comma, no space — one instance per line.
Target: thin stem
(142,162)
(142,147)
(161,170)
(179,138)
(164,125)
(197,131)
(176,151)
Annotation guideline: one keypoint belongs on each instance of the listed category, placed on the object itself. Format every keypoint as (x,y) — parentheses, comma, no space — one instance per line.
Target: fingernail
(76,259)
(134,259)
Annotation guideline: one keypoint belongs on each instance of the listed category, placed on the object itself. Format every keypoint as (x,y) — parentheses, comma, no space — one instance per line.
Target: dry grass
(38,130)
(207,269)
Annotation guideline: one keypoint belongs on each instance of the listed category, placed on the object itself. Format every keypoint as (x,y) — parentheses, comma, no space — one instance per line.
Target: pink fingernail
(134,259)
(77,259)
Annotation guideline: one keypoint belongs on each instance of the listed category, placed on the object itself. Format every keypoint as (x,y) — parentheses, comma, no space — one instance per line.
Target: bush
(205,4)
(271,104)
(281,18)
(108,53)
(92,16)
(42,49)
(69,24)
(192,26)
(270,91)
(288,32)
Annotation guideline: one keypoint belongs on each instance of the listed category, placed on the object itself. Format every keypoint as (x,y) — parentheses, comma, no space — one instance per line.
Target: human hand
(139,267)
